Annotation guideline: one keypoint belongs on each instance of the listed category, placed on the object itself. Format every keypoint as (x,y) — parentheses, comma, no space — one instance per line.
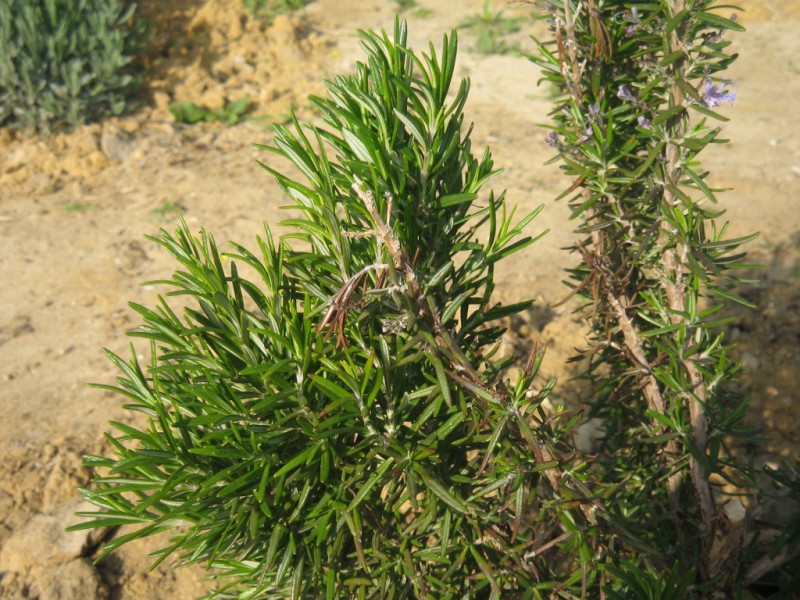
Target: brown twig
(340,305)
(768,563)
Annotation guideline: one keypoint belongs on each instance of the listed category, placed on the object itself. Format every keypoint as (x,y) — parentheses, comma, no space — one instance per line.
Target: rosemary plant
(640,84)
(335,423)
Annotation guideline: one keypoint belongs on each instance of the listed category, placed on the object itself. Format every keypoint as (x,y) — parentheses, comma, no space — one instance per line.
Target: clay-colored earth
(74,210)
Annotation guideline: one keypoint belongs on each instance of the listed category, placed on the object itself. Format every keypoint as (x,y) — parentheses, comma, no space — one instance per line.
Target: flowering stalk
(640,82)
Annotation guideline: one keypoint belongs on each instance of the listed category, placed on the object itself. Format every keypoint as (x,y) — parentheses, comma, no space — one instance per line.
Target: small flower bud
(624,93)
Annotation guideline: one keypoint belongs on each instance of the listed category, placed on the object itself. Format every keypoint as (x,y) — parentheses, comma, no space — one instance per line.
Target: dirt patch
(74,209)
(215,52)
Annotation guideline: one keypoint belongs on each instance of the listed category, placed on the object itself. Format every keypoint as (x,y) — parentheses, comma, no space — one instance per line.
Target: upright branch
(676,276)
(639,81)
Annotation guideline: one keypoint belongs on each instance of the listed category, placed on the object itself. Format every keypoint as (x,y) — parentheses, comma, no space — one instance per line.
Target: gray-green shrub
(66,62)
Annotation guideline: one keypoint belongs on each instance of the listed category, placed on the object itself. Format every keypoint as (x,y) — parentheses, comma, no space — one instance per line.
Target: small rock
(132,256)
(750,361)
(735,511)
(16,158)
(130,125)
(214,97)
(18,326)
(97,159)
(13,587)
(75,580)
(43,541)
(284,38)
(162,101)
(115,143)
(588,434)
(41,182)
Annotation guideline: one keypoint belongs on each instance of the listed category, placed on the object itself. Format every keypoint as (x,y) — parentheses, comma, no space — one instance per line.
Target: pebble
(750,361)
(115,143)
(162,101)
(42,560)
(43,541)
(75,580)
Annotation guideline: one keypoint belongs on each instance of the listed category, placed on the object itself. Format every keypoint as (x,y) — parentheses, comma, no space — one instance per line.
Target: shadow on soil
(767,340)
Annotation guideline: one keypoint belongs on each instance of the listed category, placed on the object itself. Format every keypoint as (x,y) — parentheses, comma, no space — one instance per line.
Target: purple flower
(624,93)
(634,20)
(714,95)
(632,17)
(643,121)
(552,140)
(593,117)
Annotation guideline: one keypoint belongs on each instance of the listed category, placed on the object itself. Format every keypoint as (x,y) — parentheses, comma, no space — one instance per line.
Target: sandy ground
(74,210)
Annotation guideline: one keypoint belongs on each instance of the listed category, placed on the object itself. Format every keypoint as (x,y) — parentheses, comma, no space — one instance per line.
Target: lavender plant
(63,63)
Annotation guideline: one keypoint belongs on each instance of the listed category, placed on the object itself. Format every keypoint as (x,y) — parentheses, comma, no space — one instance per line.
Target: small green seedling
(78,207)
(269,9)
(167,210)
(491,27)
(189,112)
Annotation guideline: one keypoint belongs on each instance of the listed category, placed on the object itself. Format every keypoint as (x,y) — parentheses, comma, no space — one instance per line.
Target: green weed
(491,27)
(167,210)
(404,5)
(79,207)
(189,112)
(269,9)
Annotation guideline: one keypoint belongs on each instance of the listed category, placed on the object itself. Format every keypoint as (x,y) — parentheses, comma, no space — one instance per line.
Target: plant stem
(675,289)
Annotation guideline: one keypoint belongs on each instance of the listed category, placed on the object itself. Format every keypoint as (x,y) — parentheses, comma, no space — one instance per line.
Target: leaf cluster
(269,9)
(64,62)
(230,114)
(316,418)
(491,27)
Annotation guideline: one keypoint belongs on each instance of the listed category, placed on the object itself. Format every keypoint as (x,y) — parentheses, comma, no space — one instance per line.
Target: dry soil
(74,210)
